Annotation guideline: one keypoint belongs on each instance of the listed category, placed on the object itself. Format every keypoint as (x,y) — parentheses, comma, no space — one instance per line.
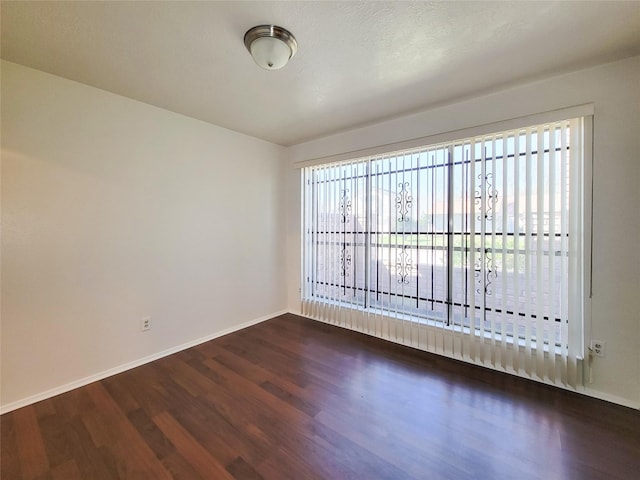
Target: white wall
(113,210)
(614,90)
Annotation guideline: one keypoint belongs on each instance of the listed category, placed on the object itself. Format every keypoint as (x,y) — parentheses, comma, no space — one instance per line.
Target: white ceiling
(357,62)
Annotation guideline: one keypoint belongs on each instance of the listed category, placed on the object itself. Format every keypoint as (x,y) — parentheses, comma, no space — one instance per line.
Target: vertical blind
(472,248)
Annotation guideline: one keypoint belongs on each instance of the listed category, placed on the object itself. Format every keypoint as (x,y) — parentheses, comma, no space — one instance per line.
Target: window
(480,237)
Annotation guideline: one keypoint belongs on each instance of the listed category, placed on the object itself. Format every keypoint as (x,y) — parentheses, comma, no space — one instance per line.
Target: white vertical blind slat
(467,218)
(576,237)
(539,227)
(415,339)
(406,256)
(551,256)
(474,329)
(492,225)
(328,239)
(528,248)
(505,356)
(390,251)
(564,223)
(350,225)
(483,238)
(517,247)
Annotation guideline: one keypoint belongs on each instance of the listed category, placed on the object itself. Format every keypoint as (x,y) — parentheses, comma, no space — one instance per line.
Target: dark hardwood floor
(291,398)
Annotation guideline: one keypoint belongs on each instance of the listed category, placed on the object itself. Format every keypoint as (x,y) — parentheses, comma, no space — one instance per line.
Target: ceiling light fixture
(270,46)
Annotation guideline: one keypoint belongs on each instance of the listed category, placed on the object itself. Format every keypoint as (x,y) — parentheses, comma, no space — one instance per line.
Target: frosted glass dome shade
(270,53)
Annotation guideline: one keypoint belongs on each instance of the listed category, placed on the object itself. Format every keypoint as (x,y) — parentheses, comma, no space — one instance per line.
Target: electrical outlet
(145,324)
(597,347)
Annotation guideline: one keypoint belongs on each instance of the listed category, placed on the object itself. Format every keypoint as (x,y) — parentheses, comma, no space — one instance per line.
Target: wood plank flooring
(291,398)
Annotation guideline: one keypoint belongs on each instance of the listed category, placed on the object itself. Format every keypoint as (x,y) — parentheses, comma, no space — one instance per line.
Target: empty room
(320,240)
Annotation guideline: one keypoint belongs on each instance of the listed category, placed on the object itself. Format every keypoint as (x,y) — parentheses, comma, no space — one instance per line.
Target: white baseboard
(611,398)
(128,366)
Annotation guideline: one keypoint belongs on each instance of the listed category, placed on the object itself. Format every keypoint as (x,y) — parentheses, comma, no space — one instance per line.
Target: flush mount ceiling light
(270,46)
